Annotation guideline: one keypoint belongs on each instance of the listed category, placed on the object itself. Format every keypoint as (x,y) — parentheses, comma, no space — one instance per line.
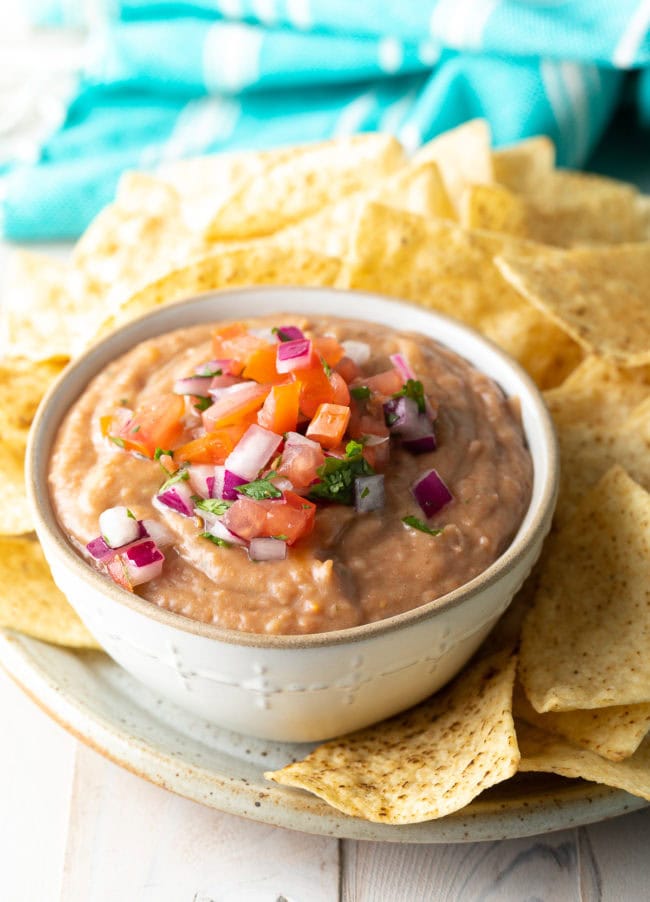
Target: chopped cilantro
(215,540)
(213,505)
(337,476)
(326,367)
(203,404)
(136,428)
(124,402)
(259,490)
(159,452)
(413,389)
(181,475)
(419,524)
(360,392)
(281,335)
(365,492)
(281,536)
(206,372)
(130,514)
(117,440)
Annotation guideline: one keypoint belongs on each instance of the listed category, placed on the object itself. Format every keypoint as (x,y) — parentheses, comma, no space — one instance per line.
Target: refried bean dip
(414,480)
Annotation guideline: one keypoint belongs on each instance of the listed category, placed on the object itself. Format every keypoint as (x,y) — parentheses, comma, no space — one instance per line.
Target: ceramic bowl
(295,688)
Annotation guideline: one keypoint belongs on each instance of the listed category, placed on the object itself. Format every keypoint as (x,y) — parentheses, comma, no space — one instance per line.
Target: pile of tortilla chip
(552,265)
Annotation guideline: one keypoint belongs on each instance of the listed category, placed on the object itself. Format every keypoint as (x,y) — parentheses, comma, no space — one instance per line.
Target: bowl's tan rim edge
(46,524)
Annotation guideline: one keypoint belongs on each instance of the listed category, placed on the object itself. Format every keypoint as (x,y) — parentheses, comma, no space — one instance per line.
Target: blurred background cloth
(151,81)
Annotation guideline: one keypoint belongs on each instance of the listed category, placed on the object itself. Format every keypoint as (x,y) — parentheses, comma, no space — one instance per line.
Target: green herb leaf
(259,490)
(419,524)
(213,505)
(207,372)
(413,389)
(326,367)
(337,476)
(360,392)
(215,540)
(353,449)
(181,475)
(203,404)
(124,402)
(365,492)
(281,537)
(117,440)
(130,514)
(136,428)
(159,452)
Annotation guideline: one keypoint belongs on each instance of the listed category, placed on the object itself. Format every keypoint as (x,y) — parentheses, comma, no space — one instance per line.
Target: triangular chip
(302,184)
(463,157)
(585,642)
(257,264)
(425,763)
(614,733)
(545,753)
(599,296)
(29,600)
(439,264)
(494,208)
(524,167)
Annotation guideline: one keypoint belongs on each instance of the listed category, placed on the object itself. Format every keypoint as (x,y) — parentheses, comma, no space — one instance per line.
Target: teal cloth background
(164,80)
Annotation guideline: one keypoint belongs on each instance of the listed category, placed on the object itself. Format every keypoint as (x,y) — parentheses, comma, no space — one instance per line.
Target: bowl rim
(51,534)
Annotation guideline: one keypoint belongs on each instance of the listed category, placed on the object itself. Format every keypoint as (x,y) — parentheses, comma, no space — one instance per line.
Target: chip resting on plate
(29,600)
(599,296)
(425,763)
(545,753)
(614,733)
(585,642)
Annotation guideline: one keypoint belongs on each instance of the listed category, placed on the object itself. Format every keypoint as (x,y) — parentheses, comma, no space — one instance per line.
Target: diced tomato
(378,456)
(340,391)
(347,368)
(246,518)
(281,408)
(118,573)
(157,424)
(260,366)
(212,448)
(329,424)
(329,349)
(236,342)
(300,461)
(366,424)
(234,405)
(386,383)
(315,389)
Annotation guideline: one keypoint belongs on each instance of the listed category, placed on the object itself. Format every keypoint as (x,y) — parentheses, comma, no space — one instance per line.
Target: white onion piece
(267,550)
(282,483)
(143,562)
(158,532)
(117,527)
(358,351)
(178,497)
(193,385)
(265,334)
(295,438)
(252,452)
(369,493)
(198,479)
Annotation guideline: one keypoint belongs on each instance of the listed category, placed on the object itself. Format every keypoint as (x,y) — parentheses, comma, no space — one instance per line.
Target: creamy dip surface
(353,568)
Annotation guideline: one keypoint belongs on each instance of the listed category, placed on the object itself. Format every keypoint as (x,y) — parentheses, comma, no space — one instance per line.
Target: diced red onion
(143,561)
(401,415)
(289,333)
(216,527)
(402,366)
(253,451)
(177,497)
(229,483)
(117,527)
(267,550)
(431,493)
(358,351)
(422,444)
(213,365)
(158,532)
(219,383)
(201,479)
(293,355)
(368,493)
(225,391)
(99,549)
(193,385)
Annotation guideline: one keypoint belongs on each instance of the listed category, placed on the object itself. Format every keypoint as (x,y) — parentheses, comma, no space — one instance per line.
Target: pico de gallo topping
(256,439)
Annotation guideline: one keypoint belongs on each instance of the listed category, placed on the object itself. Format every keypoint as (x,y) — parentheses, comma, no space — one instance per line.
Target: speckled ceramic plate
(103,706)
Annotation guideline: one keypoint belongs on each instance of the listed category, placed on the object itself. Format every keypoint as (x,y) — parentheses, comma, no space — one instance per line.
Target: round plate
(97,701)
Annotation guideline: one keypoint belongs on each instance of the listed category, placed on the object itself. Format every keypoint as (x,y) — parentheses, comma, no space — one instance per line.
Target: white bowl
(295,688)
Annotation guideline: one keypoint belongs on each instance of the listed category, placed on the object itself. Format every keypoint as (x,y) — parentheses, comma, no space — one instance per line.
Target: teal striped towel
(165,80)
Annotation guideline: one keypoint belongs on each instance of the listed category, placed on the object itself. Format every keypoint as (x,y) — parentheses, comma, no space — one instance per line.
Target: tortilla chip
(585,642)
(463,157)
(41,319)
(425,763)
(597,393)
(544,753)
(22,385)
(29,600)
(440,265)
(587,452)
(524,167)
(494,208)
(300,185)
(614,733)
(600,297)
(257,264)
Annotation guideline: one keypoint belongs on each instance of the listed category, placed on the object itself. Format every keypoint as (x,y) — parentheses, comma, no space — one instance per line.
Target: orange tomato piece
(292,517)
(281,408)
(260,366)
(233,407)
(300,461)
(340,391)
(329,349)
(212,448)
(329,424)
(386,383)
(315,388)
(234,342)
(156,424)
(347,368)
